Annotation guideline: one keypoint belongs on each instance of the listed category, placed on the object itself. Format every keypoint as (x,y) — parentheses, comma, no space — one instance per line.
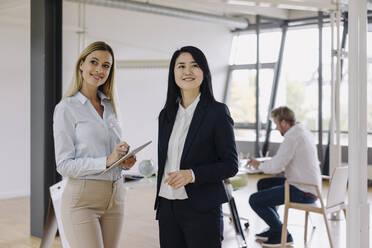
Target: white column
(358,208)
(335,145)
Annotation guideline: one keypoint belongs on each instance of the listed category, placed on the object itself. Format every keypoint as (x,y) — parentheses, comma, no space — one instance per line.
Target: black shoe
(275,240)
(263,236)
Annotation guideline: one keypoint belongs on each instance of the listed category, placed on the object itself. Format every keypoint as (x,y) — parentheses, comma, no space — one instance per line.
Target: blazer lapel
(196,121)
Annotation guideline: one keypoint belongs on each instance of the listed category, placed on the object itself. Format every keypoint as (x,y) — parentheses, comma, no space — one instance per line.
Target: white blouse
(83,140)
(175,149)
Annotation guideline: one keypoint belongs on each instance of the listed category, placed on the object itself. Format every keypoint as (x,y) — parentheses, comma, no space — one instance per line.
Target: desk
(244,169)
(249,169)
(140,183)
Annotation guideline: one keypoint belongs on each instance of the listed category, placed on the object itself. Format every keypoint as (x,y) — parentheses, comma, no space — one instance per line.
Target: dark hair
(174,92)
(284,113)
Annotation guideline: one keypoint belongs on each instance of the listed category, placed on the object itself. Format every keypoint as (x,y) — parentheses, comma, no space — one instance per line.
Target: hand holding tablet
(128,155)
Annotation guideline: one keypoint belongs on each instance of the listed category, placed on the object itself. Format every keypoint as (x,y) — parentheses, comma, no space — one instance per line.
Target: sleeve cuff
(261,167)
(121,167)
(101,163)
(193,176)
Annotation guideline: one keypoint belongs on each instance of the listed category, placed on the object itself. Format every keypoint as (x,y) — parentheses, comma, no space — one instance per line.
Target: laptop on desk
(250,169)
(263,159)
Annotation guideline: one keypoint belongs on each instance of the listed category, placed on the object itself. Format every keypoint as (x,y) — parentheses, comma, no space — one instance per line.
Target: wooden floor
(141,231)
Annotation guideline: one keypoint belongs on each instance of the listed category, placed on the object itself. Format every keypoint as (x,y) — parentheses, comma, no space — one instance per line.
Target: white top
(175,149)
(83,139)
(298,157)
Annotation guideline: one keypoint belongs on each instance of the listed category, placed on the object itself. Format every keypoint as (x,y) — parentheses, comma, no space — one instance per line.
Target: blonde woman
(87,139)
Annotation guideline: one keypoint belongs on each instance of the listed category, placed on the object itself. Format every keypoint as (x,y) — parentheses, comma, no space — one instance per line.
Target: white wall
(133,36)
(141,36)
(15,105)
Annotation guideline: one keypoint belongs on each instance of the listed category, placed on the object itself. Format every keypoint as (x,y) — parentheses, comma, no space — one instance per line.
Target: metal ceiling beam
(232,22)
(369,3)
(224,8)
(289,4)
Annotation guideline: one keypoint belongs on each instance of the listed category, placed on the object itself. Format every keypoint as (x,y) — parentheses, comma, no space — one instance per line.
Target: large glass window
(269,46)
(298,85)
(244,49)
(266,83)
(242,96)
(242,91)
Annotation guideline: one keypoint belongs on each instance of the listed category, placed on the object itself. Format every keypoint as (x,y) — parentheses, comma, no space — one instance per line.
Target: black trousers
(181,226)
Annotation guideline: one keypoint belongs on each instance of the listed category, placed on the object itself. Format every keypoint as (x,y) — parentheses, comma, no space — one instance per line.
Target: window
(244,49)
(242,89)
(298,85)
(242,96)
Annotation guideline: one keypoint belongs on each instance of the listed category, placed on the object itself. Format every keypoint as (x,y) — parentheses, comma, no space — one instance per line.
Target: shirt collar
(102,96)
(291,130)
(83,99)
(191,108)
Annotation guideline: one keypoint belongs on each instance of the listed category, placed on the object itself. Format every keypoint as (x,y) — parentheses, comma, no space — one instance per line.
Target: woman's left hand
(179,178)
(129,162)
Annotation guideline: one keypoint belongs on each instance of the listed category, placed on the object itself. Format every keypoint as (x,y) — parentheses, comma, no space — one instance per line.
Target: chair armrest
(286,190)
(306,184)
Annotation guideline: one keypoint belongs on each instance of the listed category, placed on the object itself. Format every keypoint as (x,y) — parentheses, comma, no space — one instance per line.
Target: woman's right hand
(119,151)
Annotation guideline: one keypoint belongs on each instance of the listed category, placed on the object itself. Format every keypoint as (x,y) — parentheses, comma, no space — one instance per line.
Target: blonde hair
(77,82)
(284,113)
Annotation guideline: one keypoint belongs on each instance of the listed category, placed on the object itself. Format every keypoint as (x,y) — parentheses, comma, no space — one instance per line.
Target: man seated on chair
(297,156)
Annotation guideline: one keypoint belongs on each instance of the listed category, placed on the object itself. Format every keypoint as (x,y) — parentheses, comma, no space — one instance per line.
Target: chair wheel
(246,225)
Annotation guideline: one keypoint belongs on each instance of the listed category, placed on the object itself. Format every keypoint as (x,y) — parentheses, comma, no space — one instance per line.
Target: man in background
(297,156)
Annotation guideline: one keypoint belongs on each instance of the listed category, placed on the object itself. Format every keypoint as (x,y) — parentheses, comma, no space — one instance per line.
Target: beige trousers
(93,213)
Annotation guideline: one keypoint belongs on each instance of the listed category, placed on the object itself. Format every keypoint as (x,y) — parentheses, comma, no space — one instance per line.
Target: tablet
(128,155)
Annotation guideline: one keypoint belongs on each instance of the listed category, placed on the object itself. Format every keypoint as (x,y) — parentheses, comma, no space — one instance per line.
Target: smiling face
(96,68)
(187,73)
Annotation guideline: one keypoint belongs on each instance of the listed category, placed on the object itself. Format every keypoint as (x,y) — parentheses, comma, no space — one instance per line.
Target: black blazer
(209,150)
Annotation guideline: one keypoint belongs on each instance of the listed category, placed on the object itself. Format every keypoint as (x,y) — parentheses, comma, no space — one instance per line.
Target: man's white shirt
(297,156)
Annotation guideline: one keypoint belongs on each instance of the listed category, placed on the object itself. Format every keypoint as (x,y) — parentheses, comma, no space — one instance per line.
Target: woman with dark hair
(196,152)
